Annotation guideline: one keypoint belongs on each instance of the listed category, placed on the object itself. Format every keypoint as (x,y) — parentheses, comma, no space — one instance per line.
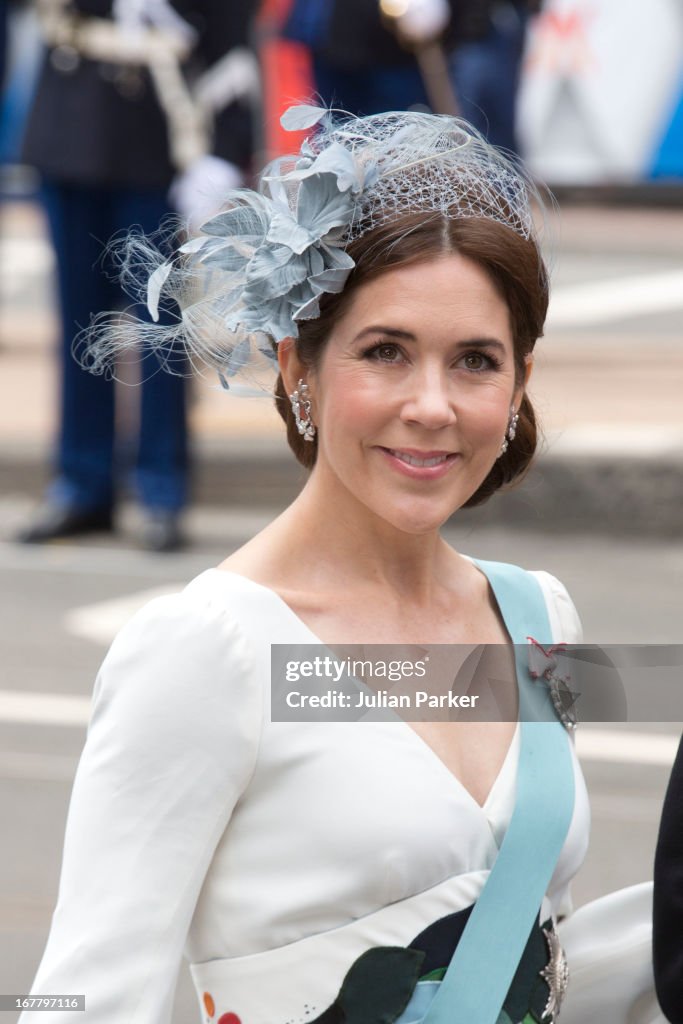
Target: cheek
(354,402)
(486,413)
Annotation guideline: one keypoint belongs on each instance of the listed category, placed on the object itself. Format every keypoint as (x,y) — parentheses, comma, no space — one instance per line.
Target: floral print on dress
(385,984)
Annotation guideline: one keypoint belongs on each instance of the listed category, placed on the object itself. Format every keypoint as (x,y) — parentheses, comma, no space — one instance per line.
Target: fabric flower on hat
(259,268)
(281,249)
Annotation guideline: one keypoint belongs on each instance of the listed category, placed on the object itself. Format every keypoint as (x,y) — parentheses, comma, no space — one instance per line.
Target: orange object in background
(287,77)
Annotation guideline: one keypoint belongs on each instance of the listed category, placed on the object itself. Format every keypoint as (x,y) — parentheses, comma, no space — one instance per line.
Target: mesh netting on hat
(260,266)
(426,162)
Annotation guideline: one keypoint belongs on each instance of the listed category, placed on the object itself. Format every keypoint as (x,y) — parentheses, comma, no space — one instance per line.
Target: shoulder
(564,619)
(192,623)
(513,580)
(182,660)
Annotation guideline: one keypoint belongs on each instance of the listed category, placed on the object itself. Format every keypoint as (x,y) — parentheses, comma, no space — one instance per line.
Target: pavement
(608,384)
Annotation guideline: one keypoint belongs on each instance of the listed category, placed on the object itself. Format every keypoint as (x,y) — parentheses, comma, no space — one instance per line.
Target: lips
(420,459)
(419,465)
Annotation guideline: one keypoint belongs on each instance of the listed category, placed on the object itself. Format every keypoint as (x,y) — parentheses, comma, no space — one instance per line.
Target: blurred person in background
(486,69)
(18,54)
(455,56)
(140,106)
(368,55)
(667,924)
(3,42)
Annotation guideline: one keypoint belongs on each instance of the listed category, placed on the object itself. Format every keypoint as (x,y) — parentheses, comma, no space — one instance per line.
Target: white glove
(135,14)
(418,21)
(198,193)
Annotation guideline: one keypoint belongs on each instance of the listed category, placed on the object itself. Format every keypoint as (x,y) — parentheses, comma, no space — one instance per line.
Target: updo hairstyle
(513,264)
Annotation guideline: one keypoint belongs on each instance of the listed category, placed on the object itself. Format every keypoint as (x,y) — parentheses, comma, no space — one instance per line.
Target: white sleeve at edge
(171,746)
(565,623)
(566,627)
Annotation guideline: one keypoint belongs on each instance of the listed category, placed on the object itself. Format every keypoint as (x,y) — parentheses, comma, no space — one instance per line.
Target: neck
(326,537)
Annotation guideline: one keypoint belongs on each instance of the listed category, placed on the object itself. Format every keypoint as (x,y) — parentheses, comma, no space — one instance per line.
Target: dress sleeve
(566,627)
(171,745)
(564,619)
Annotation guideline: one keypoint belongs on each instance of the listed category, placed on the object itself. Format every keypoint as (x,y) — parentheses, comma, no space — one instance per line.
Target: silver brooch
(543,665)
(555,974)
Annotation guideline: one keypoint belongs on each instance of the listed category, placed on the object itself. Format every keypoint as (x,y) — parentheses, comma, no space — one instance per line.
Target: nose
(430,399)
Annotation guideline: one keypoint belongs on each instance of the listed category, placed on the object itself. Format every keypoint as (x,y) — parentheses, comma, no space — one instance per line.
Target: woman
(334,871)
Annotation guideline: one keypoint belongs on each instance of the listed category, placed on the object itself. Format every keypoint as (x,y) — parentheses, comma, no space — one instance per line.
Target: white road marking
(593,302)
(598,302)
(44,708)
(627,747)
(101,622)
(611,745)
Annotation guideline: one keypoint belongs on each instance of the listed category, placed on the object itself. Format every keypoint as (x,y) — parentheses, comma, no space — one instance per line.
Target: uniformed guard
(140,104)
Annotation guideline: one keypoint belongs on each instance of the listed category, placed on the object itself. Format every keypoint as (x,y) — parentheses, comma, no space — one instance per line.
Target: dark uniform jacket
(353,35)
(100,124)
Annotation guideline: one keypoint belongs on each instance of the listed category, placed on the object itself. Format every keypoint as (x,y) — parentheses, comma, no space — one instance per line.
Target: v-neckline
(440,764)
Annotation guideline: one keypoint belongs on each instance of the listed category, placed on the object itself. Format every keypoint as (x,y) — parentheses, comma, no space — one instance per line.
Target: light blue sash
(488,954)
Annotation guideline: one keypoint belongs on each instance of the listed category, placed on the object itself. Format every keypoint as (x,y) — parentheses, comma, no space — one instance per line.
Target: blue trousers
(486,74)
(88,463)
(369,91)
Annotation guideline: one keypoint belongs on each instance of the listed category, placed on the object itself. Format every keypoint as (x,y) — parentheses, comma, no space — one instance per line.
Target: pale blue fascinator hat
(259,267)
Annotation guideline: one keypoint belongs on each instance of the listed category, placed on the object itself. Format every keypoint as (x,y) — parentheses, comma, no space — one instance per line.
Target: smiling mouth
(421,461)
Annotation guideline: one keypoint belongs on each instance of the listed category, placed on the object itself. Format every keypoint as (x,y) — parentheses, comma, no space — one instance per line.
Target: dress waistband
(295,983)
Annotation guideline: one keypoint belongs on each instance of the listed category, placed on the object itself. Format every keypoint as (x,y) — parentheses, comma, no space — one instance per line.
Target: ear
(521,388)
(291,367)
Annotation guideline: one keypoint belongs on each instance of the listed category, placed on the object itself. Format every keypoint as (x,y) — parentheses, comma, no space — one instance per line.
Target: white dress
(271,854)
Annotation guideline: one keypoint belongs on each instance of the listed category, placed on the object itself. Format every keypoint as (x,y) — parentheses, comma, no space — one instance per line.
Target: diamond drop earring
(511,431)
(301,405)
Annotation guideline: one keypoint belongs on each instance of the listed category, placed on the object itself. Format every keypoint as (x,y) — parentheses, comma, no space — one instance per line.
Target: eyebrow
(395,332)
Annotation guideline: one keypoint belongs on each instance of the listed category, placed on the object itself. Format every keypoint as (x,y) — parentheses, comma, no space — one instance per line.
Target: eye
(477,362)
(385,352)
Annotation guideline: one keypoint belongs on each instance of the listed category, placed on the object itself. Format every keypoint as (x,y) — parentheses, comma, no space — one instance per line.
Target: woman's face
(412,396)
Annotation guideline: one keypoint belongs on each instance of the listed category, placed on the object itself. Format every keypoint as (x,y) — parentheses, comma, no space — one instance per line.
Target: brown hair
(513,263)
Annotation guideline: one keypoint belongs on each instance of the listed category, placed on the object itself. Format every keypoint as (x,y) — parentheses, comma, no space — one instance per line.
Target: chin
(418,521)
(425,513)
